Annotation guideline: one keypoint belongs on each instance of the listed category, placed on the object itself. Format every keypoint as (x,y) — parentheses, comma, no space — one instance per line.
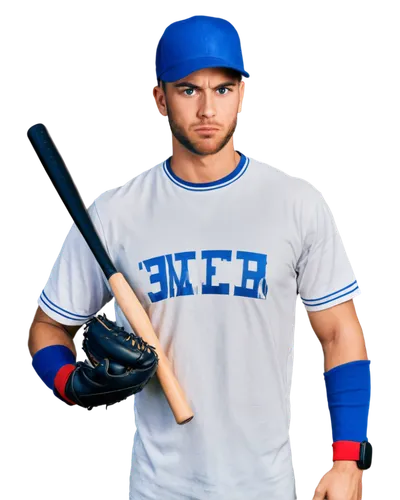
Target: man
(217,246)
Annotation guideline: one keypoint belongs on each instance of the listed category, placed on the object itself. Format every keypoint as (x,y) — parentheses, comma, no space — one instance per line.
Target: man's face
(210,97)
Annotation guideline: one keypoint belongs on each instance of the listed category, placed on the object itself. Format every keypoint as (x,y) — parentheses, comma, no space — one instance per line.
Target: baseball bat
(123,293)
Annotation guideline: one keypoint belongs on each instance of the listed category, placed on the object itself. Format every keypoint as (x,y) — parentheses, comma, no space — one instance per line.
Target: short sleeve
(325,277)
(77,287)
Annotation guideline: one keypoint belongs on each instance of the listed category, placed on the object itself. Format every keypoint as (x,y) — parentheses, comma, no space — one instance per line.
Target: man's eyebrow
(192,86)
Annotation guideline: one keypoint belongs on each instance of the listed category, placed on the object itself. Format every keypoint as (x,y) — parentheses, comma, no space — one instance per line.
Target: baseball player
(217,245)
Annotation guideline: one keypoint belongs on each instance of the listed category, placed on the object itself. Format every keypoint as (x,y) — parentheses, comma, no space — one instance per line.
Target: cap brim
(188,67)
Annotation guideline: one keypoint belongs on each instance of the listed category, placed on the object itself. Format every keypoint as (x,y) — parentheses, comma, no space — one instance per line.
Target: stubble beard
(194,148)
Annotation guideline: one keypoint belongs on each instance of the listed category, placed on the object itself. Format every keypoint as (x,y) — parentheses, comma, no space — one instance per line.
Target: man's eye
(220,88)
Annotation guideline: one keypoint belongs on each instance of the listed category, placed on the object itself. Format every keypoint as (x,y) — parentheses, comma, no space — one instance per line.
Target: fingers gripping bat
(123,293)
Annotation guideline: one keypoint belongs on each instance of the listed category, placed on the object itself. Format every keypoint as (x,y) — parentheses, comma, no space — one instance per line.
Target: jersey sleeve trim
(57,309)
(333,296)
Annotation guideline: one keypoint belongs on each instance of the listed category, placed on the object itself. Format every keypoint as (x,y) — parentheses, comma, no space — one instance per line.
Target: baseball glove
(121,364)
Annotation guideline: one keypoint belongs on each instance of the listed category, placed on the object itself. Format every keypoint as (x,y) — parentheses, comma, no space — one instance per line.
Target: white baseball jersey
(218,267)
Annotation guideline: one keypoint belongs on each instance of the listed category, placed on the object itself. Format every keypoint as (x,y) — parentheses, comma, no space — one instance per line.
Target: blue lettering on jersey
(252,267)
(208,255)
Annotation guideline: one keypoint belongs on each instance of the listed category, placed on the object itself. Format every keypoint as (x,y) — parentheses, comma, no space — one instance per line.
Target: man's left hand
(342,482)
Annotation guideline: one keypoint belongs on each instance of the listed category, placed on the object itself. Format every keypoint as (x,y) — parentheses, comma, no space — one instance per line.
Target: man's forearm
(347,378)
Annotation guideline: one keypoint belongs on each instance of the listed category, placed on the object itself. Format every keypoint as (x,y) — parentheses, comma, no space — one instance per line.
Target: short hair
(236,75)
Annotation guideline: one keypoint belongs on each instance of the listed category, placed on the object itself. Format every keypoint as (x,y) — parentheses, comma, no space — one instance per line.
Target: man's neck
(203,169)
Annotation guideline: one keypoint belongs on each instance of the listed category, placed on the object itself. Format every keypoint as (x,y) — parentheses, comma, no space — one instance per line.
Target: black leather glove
(121,364)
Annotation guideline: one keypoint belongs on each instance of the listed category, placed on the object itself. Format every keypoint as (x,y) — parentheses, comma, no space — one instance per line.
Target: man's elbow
(340,332)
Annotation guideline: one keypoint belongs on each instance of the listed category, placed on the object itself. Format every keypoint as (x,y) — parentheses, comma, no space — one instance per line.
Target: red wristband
(60,380)
(346,450)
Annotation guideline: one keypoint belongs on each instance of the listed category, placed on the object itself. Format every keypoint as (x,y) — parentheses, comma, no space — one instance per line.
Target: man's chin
(204,148)
(207,149)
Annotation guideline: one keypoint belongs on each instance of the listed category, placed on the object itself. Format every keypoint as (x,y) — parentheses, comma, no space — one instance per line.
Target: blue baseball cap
(195,43)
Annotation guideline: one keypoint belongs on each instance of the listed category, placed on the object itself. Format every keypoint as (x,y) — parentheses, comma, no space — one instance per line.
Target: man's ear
(243,88)
(159,96)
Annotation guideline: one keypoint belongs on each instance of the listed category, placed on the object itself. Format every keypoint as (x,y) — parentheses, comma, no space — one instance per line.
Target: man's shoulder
(131,191)
(282,182)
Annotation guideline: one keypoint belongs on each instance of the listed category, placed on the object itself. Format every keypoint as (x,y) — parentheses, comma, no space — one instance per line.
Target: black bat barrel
(62,181)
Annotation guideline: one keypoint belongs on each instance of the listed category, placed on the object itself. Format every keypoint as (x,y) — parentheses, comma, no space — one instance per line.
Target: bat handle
(141,325)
